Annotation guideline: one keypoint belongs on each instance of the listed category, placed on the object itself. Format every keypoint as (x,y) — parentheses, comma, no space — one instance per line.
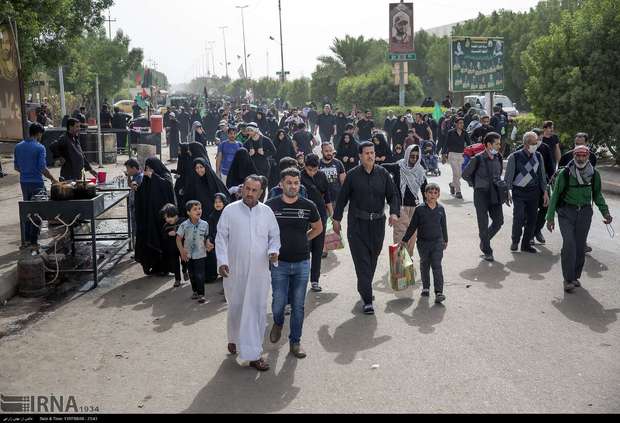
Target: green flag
(437,112)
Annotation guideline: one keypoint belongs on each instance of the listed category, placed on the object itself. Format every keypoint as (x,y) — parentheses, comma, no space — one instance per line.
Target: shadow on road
(455,202)
(236,389)
(131,293)
(424,317)
(330,263)
(534,265)
(383,285)
(492,274)
(351,337)
(593,268)
(582,308)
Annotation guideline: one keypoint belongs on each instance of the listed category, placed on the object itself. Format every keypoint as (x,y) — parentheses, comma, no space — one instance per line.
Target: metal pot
(85,190)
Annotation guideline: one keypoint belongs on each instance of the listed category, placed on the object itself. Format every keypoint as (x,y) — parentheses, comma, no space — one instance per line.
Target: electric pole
(283,75)
(109,21)
(223,28)
(211,43)
(245,55)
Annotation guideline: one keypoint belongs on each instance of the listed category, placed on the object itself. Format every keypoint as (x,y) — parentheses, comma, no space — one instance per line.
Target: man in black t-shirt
(333,169)
(422,129)
(552,141)
(289,279)
(327,124)
(303,140)
(364,127)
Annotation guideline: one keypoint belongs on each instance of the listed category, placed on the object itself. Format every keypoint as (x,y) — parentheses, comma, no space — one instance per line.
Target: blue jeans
(289,281)
(31,232)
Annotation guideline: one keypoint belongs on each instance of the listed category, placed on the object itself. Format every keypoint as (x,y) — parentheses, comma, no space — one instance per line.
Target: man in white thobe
(248,239)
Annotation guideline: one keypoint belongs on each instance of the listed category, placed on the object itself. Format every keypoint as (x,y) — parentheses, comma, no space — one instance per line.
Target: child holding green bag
(429,220)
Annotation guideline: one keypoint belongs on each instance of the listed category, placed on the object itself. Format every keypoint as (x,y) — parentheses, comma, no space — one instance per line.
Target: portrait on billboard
(401,28)
(10,96)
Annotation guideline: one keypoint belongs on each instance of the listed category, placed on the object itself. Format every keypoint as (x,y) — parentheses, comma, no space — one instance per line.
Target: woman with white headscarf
(409,176)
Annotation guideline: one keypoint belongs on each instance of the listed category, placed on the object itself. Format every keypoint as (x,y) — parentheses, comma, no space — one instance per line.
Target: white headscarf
(412,177)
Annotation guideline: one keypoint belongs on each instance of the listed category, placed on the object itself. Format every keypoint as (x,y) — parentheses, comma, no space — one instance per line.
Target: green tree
(375,89)
(573,72)
(325,79)
(47,29)
(266,88)
(438,59)
(296,92)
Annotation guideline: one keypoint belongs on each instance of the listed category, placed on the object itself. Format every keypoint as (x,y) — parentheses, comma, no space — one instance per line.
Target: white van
(480,102)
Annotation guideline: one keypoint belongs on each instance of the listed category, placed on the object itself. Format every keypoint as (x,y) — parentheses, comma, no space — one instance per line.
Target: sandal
(232,348)
(260,365)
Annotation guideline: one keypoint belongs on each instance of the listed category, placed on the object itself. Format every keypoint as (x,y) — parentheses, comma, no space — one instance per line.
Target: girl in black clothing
(203,186)
(382,149)
(240,168)
(171,257)
(220,202)
(348,152)
(284,148)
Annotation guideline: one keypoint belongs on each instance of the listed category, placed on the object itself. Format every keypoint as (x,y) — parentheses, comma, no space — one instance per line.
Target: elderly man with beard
(576,187)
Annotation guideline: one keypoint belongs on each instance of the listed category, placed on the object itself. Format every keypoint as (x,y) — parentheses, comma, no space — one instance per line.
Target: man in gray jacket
(481,173)
(525,176)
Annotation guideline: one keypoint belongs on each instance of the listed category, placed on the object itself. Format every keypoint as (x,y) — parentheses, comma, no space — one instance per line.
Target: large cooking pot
(63,191)
(85,190)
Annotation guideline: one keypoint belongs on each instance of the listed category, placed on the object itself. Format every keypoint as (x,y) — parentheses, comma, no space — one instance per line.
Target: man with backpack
(484,174)
(576,187)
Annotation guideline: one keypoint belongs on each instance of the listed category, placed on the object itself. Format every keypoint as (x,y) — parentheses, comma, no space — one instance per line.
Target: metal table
(90,211)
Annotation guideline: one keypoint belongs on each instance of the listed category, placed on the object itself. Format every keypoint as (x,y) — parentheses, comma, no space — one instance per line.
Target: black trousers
(574,225)
(366,242)
(198,275)
(431,255)
(316,248)
(484,210)
(525,214)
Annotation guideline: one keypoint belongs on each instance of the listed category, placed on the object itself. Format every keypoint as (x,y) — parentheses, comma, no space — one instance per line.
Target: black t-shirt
(365,129)
(422,130)
(326,124)
(303,139)
(294,221)
(332,171)
(551,143)
(318,191)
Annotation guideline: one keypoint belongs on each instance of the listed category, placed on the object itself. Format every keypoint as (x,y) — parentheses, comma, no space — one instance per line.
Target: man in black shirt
(367,187)
(333,169)
(69,149)
(364,127)
(317,187)
(481,131)
(422,131)
(119,121)
(552,141)
(289,279)
(327,124)
(184,119)
(313,118)
(456,141)
(303,140)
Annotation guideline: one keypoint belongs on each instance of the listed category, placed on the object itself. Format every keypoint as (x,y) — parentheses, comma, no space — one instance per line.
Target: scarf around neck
(411,176)
(583,176)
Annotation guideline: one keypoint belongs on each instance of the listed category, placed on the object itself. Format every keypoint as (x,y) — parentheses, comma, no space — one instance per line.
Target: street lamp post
(223,28)
(245,55)
(282,76)
(211,43)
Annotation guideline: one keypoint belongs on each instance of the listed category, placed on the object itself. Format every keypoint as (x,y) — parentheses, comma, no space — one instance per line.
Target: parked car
(480,102)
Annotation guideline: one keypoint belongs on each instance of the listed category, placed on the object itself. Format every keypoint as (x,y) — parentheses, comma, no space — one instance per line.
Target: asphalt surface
(508,339)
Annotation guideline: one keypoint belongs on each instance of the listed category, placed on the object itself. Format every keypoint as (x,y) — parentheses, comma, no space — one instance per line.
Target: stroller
(429,158)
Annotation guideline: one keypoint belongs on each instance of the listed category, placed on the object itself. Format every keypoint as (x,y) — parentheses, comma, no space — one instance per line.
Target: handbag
(402,270)
(333,241)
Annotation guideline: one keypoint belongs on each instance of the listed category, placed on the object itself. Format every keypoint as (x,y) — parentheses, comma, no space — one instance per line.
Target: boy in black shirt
(171,254)
(429,220)
(289,279)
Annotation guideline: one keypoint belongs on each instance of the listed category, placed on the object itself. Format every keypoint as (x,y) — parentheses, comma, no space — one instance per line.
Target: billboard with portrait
(476,64)
(11,128)
(401,28)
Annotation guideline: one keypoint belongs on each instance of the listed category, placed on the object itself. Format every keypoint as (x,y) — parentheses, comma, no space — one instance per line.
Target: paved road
(507,340)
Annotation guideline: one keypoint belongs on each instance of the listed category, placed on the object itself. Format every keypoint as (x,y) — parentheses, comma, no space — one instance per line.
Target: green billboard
(476,64)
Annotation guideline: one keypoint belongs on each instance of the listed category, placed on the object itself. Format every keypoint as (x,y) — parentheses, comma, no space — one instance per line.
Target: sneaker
(439,298)
(452,190)
(202,299)
(316,287)
(195,296)
(577,284)
(297,351)
(324,255)
(489,258)
(540,238)
(529,249)
(532,242)
(368,309)
(275,334)
(177,284)
(458,196)
(287,310)
(588,249)
(569,287)
(426,292)
(514,246)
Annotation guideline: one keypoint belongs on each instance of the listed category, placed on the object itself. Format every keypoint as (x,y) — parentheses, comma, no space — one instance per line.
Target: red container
(157,124)
(101,176)
(93,180)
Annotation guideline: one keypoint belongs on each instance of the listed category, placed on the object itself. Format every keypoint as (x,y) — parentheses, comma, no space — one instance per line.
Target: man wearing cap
(222,132)
(261,150)
(577,186)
